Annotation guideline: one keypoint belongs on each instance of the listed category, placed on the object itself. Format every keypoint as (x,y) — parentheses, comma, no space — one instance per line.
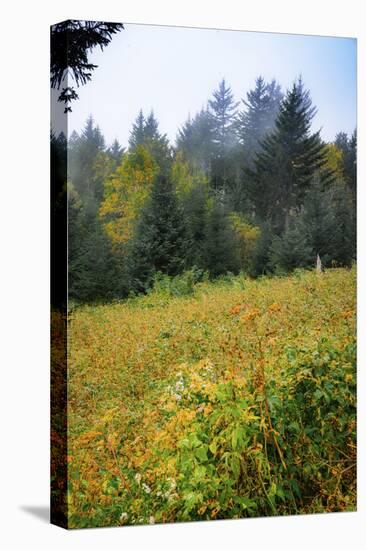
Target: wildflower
(146,488)
(138,478)
(123,517)
(173,485)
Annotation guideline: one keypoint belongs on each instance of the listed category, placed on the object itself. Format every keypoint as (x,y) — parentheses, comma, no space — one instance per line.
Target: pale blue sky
(173,70)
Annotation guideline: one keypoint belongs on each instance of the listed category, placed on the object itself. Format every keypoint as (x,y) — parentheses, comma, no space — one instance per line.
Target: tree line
(248,186)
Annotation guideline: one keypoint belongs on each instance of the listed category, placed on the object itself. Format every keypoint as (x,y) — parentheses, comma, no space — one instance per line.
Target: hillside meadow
(234,398)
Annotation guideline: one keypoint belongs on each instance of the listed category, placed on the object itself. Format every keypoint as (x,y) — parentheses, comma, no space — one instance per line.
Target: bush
(180,285)
(291,251)
(259,447)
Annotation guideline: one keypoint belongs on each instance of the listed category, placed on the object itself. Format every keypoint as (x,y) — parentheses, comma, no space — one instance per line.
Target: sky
(174,70)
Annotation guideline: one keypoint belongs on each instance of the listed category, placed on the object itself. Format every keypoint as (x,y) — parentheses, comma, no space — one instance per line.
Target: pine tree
(115,152)
(145,131)
(289,158)
(92,269)
(344,230)
(151,129)
(223,114)
(194,140)
(157,144)
(195,209)
(261,263)
(159,244)
(71,41)
(93,273)
(319,223)
(83,151)
(220,252)
(137,134)
(348,146)
(291,249)
(257,118)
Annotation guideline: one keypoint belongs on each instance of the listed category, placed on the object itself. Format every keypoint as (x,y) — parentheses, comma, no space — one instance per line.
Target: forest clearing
(221,399)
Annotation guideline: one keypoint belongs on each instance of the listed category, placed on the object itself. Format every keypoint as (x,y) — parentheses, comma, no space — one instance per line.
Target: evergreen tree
(92,270)
(261,263)
(223,113)
(194,140)
(145,131)
(157,144)
(349,159)
(258,117)
(291,249)
(83,151)
(151,128)
(289,158)
(137,134)
(220,252)
(71,41)
(344,230)
(115,152)
(93,273)
(195,215)
(319,224)
(159,244)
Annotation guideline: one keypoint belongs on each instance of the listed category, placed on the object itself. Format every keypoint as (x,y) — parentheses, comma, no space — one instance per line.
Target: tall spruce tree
(145,131)
(83,151)
(159,244)
(223,111)
(194,140)
(261,262)
(291,249)
(137,133)
(92,270)
(344,231)
(318,224)
(289,158)
(220,251)
(348,146)
(195,209)
(115,152)
(258,117)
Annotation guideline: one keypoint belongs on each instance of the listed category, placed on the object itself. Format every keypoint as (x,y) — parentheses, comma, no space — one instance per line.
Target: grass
(237,400)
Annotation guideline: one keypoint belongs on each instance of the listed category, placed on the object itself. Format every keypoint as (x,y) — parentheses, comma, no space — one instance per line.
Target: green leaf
(201,453)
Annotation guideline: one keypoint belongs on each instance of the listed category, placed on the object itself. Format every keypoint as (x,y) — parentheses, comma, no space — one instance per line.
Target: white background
(24,273)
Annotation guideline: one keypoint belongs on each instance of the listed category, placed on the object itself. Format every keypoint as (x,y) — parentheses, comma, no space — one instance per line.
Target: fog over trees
(247,186)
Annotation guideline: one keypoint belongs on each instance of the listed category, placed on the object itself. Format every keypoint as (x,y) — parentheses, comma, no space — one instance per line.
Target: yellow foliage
(247,236)
(334,160)
(184,178)
(125,193)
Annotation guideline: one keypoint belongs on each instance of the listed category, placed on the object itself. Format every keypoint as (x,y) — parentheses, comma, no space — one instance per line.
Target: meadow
(225,399)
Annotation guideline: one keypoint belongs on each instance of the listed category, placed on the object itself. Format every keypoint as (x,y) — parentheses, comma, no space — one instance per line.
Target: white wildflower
(173,485)
(138,478)
(146,488)
(123,517)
